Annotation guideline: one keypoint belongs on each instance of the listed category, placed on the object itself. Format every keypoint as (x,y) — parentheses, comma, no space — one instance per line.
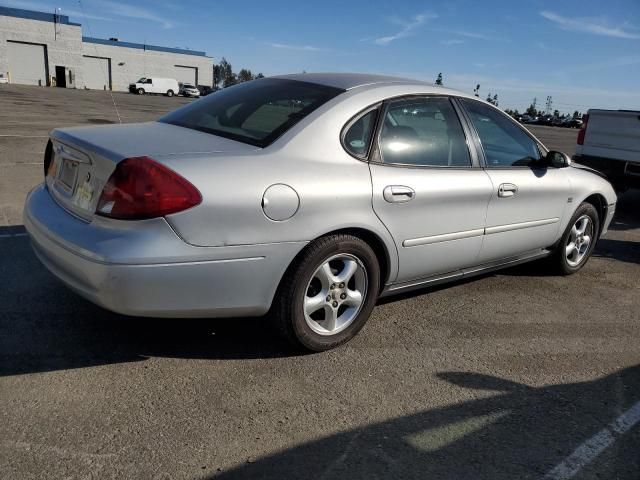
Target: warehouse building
(38,48)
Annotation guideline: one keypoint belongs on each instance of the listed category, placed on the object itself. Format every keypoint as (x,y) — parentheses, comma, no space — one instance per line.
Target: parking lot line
(594,446)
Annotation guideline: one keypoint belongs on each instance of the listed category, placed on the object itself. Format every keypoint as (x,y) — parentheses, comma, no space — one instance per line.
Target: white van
(164,86)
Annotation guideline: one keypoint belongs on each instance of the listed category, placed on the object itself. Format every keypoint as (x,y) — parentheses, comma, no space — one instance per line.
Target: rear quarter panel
(334,189)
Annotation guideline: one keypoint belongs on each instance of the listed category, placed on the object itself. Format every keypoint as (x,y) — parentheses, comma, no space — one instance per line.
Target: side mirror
(558,159)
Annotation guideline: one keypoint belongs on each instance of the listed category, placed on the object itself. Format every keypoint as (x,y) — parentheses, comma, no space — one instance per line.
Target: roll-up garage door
(27,63)
(187,74)
(97,73)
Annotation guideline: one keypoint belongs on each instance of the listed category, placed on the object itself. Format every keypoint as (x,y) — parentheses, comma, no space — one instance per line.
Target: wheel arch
(599,202)
(377,244)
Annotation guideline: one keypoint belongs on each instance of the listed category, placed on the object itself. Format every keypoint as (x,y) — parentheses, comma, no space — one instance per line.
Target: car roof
(348,81)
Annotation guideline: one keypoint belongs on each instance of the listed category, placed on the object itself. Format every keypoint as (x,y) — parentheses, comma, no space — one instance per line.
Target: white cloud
(138,13)
(586,25)
(287,46)
(406,28)
(470,34)
(46,7)
(453,41)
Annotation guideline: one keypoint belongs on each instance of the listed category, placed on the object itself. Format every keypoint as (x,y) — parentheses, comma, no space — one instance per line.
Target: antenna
(106,76)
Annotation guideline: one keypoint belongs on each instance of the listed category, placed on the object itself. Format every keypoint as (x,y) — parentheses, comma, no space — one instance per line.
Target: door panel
(528,219)
(528,199)
(440,229)
(426,191)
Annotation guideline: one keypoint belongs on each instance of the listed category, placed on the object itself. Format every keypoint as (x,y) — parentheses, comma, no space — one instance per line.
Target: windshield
(255,112)
(142,80)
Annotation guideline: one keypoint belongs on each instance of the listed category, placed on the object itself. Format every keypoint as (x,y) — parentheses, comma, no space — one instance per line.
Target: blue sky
(583,53)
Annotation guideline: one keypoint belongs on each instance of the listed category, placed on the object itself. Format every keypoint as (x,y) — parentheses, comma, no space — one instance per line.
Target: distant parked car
(544,120)
(529,119)
(557,121)
(3,79)
(164,86)
(571,122)
(188,90)
(205,90)
(309,196)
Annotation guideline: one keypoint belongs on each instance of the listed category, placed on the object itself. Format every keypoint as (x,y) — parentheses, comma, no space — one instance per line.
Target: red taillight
(583,129)
(142,188)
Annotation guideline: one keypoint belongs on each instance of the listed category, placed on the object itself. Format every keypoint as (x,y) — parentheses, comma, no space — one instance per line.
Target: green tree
(439,79)
(476,91)
(226,71)
(245,75)
(556,113)
(577,114)
(259,75)
(217,76)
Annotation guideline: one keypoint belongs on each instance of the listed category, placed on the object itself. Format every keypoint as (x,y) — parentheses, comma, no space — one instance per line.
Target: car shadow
(44,326)
(518,431)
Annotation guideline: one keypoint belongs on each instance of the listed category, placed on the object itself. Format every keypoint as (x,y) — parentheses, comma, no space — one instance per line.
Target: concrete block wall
(130,64)
(63,42)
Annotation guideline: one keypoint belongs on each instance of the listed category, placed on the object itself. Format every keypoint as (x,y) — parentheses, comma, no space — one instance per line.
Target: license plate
(68,174)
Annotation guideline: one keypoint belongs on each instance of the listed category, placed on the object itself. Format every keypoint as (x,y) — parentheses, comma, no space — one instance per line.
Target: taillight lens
(583,129)
(142,188)
(49,160)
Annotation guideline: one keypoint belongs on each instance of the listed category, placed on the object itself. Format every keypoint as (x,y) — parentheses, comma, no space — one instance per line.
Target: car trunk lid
(85,157)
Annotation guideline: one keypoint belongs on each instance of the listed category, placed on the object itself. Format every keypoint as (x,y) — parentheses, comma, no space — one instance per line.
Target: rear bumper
(144,269)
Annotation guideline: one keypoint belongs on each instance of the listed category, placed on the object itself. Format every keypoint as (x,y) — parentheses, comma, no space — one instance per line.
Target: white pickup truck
(609,141)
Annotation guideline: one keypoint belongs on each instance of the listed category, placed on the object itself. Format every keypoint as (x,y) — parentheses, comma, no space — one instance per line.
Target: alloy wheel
(579,241)
(335,294)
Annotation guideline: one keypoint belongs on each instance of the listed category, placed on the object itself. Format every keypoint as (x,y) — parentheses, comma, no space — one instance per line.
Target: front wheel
(578,241)
(141,91)
(327,296)
(169,93)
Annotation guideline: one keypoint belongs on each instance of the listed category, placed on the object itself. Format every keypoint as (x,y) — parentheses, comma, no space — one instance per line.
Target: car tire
(141,91)
(578,240)
(169,93)
(328,293)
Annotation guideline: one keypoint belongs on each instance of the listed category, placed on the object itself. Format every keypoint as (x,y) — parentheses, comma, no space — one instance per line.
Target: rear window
(256,112)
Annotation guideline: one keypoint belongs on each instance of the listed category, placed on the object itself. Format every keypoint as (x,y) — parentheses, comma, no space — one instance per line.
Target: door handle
(507,190)
(398,193)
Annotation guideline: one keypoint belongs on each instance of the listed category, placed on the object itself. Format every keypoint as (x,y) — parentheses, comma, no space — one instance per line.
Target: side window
(357,138)
(423,131)
(148,80)
(504,144)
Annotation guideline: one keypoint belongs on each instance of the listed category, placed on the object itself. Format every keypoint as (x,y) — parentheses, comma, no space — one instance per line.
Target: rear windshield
(256,112)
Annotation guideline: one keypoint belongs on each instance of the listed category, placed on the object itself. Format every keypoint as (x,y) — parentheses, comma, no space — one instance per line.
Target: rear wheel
(578,241)
(169,93)
(141,91)
(327,296)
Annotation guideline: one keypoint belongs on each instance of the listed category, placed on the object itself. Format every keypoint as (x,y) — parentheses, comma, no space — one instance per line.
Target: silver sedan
(307,196)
